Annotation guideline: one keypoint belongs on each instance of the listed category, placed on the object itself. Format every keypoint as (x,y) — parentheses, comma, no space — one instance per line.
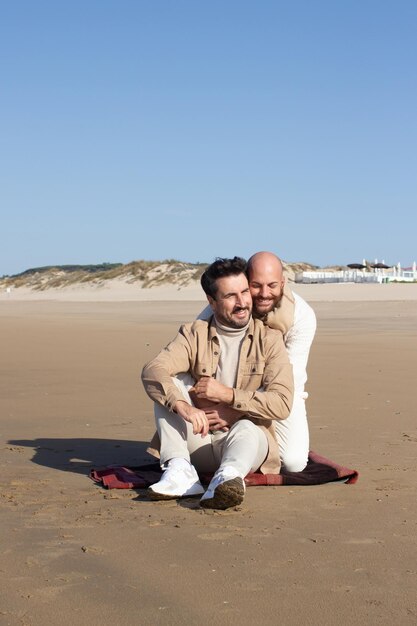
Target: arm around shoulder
(298,341)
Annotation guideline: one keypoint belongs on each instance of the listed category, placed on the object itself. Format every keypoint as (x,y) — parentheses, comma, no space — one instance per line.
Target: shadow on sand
(81,455)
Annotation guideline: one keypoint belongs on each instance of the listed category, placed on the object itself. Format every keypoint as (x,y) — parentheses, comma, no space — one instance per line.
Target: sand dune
(121,291)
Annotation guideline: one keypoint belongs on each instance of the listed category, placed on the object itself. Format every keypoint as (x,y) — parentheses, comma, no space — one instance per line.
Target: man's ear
(210,301)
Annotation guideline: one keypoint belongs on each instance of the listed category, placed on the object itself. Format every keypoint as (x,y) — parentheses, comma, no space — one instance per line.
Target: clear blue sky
(133,129)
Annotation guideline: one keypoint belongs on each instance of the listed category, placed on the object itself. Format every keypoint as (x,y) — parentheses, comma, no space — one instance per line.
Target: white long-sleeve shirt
(298,340)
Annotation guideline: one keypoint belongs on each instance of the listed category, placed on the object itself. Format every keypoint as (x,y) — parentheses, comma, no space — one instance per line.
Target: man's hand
(221,416)
(196,417)
(210,389)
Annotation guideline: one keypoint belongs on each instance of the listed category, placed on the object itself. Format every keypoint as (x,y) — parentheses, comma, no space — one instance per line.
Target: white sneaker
(180,480)
(226,489)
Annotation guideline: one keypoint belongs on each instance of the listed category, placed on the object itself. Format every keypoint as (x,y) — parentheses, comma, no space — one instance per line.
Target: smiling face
(266,282)
(232,304)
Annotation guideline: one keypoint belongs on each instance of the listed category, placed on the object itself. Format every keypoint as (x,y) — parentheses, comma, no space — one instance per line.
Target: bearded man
(279,307)
(234,364)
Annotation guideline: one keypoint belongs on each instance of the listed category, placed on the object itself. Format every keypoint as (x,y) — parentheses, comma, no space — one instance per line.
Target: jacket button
(238,406)
(204,370)
(253,369)
(215,353)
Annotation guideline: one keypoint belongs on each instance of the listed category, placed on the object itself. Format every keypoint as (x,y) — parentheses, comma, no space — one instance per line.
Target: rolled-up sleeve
(172,360)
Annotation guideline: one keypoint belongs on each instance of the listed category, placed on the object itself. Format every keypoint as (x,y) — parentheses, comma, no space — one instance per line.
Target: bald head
(265,260)
(266,281)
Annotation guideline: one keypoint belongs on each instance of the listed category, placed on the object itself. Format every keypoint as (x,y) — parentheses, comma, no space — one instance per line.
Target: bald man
(276,304)
(280,308)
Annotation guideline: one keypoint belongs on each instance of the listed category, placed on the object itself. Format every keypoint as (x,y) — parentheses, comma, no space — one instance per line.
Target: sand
(73,553)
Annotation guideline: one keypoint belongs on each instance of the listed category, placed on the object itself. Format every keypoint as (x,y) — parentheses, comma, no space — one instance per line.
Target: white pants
(244,447)
(293,437)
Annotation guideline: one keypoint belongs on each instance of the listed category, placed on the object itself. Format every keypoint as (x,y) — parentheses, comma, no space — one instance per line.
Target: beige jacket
(263,362)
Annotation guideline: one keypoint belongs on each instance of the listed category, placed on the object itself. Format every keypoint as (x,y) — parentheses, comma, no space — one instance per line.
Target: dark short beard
(262,316)
(230,323)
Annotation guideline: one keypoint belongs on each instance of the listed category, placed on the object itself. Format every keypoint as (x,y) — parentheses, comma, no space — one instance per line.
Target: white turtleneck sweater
(230,341)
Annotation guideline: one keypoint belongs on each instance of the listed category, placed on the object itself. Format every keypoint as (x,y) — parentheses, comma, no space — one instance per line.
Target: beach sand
(74,553)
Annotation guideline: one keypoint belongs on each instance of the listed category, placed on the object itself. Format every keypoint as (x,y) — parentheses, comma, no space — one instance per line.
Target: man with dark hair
(227,359)
(218,269)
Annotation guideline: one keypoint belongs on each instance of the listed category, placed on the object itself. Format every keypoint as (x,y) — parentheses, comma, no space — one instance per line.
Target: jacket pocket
(255,368)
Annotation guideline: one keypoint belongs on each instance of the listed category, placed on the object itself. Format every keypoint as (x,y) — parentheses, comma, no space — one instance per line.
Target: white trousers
(293,437)
(244,447)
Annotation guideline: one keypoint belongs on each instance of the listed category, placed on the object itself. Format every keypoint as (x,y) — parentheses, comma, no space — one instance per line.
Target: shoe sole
(230,493)
(155,495)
